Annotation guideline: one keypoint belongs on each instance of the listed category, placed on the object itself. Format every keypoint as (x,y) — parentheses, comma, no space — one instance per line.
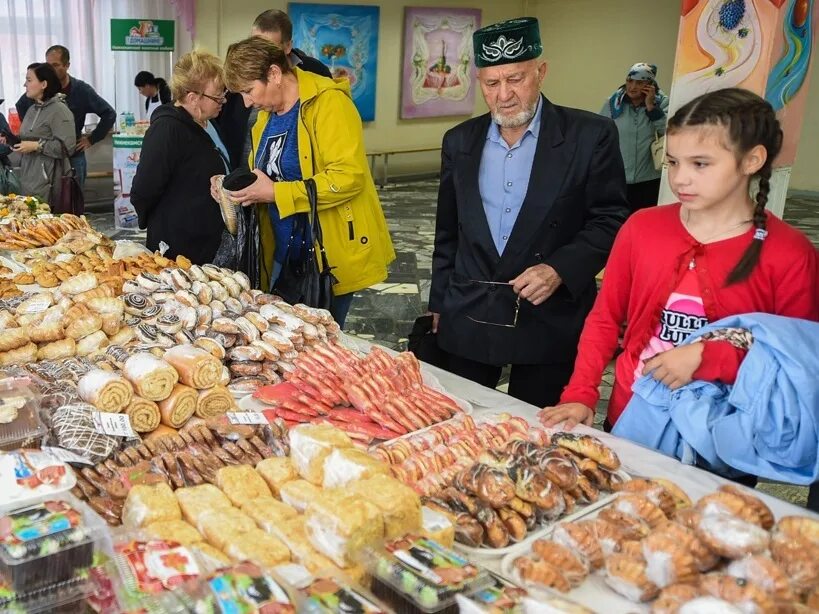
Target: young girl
(675,268)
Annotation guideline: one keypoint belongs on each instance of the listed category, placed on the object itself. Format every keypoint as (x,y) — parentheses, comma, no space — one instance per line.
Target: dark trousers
(642,195)
(538,385)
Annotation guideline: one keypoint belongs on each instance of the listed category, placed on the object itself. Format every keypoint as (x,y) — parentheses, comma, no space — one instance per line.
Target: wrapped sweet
(344,465)
(277,471)
(340,525)
(257,547)
(196,500)
(174,530)
(268,513)
(400,506)
(146,504)
(311,444)
(241,483)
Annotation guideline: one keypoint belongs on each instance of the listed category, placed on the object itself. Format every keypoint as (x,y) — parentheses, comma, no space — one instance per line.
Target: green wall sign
(142,34)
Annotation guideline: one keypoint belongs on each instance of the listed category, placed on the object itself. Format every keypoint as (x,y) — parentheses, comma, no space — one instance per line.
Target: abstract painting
(345,38)
(439,76)
(765,46)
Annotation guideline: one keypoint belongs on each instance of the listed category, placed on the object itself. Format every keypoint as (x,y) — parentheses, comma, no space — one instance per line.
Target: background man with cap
(531,197)
(638,108)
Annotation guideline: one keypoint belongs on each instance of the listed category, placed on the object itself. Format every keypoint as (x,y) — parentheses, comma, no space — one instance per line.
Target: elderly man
(531,197)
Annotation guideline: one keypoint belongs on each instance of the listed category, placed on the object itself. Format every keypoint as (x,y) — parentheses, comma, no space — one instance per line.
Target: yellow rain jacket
(331,151)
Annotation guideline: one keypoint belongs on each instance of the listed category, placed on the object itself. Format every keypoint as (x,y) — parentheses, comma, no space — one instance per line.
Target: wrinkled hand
(214,189)
(651,96)
(572,413)
(537,283)
(25,147)
(675,368)
(260,191)
(436,317)
(82,144)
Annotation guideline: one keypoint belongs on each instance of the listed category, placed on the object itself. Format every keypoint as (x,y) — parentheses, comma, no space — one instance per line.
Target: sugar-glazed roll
(179,407)
(214,402)
(196,367)
(105,390)
(144,414)
(152,377)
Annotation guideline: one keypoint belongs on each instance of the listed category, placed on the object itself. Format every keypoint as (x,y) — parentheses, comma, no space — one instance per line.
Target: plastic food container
(328,593)
(501,597)
(20,423)
(424,572)
(46,544)
(32,476)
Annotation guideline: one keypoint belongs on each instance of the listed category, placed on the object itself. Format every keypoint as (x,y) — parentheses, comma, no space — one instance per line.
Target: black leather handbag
(301,280)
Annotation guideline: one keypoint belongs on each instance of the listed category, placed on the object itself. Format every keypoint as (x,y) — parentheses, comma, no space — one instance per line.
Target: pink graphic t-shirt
(682,315)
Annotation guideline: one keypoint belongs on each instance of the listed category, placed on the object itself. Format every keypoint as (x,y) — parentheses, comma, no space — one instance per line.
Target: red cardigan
(649,256)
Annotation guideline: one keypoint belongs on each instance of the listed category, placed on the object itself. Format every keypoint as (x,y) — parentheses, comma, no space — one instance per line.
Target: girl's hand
(260,191)
(572,413)
(675,368)
(25,147)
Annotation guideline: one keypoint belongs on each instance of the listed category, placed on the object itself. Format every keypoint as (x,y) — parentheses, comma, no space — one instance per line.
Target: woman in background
(155,89)
(639,108)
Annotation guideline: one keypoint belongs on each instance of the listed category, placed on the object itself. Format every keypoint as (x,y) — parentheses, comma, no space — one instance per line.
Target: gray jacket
(637,130)
(48,123)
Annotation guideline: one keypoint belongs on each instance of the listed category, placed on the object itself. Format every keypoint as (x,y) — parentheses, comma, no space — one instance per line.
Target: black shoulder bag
(300,280)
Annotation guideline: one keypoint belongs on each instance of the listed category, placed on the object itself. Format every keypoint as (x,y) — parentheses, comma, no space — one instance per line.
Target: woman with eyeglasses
(181,151)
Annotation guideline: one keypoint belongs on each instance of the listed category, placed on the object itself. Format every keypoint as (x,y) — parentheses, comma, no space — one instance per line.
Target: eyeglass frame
(514,323)
(221,100)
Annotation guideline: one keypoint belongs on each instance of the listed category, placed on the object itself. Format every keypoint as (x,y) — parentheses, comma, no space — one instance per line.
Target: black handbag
(424,343)
(300,280)
(71,199)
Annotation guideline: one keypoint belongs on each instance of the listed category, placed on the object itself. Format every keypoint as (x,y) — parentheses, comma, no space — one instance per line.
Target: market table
(636,460)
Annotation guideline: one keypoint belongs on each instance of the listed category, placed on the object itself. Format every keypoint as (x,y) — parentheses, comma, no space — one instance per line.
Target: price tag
(118,425)
(246,417)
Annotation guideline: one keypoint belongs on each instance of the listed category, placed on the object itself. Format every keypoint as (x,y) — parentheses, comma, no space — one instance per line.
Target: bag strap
(315,225)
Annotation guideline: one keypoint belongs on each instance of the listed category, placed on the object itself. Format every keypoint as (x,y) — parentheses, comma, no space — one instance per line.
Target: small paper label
(246,417)
(118,425)
(67,456)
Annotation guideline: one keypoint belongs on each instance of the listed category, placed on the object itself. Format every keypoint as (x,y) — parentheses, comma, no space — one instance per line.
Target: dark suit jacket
(574,205)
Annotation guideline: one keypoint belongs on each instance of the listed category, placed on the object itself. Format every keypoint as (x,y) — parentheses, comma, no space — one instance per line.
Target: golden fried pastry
(799,559)
(570,563)
(627,576)
(667,560)
(257,547)
(765,514)
(541,573)
(723,502)
(798,527)
(765,573)
(589,447)
(609,536)
(747,596)
(632,548)
(56,350)
(674,596)
(83,326)
(581,537)
(688,517)
(79,284)
(704,558)
(23,279)
(731,537)
(631,526)
(92,343)
(653,491)
(174,530)
(681,499)
(111,323)
(639,506)
(47,280)
(18,356)
(46,332)
(13,338)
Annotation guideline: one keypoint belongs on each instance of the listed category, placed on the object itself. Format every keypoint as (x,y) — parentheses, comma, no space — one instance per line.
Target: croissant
(580,537)
(627,576)
(79,284)
(667,560)
(21,355)
(542,573)
(57,350)
(83,326)
(572,566)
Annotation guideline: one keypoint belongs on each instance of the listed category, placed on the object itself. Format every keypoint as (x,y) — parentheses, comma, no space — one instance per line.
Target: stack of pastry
(653,545)
(26,234)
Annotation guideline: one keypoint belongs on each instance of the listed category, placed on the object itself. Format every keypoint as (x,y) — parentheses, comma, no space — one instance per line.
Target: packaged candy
(31,476)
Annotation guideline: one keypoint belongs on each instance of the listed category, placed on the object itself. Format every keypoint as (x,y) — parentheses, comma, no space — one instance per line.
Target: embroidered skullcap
(642,72)
(507,42)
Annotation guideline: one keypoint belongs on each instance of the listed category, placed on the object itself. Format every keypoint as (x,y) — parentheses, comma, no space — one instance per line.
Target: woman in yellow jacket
(307,127)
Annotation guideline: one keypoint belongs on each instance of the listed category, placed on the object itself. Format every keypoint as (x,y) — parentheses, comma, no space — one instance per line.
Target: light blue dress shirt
(214,136)
(504,177)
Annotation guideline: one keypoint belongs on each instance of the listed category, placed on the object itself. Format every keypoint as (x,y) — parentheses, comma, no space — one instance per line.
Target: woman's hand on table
(260,191)
(572,413)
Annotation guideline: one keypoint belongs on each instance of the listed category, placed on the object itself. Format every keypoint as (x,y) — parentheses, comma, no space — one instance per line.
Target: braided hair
(749,121)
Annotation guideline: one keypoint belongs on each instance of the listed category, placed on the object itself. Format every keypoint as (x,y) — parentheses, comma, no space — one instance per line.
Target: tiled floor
(385,312)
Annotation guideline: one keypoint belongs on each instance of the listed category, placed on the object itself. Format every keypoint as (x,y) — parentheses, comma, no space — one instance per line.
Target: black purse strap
(315,225)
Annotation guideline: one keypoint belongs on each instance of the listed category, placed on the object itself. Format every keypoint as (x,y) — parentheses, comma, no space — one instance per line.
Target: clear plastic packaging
(501,597)
(425,573)
(48,544)
(327,592)
(31,476)
(20,423)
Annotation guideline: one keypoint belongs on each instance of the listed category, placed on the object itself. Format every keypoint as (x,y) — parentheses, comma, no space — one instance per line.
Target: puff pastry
(257,547)
(732,537)
(46,332)
(667,560)
(20,355)
(674,596)
(747,596)
(174,530)
(13,338)
(56,350)
(572,566)
(79,284)
(541,573)
(276,472)
(147,504)
(105,390)
(590,447)
(765,573)
(581,537)
(83,326)
(268,513)
(641,507)
(725,502)
(627,576)
(111,323)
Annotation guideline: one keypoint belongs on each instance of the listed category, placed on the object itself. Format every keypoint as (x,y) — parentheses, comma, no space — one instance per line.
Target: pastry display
(241,483)
(143,414)
(196,367)
(311,444)
(39,232)
(147,504)
(276,472)
(179,406)
(105,390)
(340,525)
(73,429)
(152,378)
(400,506)
(214,402)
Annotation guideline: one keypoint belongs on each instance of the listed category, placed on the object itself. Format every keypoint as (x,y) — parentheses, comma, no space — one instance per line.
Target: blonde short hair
(250,59)
(194,71)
